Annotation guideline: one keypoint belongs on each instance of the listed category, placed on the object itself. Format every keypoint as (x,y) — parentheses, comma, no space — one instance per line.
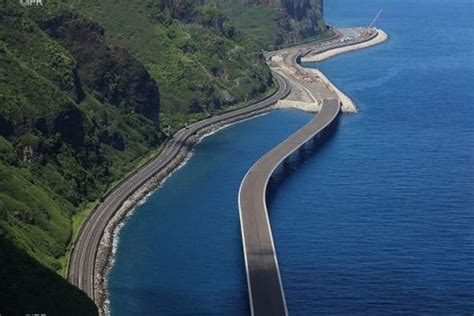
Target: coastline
(109,242)
(105,256)
(347,105)
(110,238)
(379,39)
(301,73)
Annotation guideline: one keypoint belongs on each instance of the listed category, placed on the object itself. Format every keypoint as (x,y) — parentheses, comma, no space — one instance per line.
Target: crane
(375,19)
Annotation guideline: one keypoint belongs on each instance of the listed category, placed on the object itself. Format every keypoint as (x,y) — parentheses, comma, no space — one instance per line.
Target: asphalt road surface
(83,256)
(81,268)
(263,275)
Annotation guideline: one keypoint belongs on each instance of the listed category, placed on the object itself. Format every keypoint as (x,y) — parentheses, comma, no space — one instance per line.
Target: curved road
(81,268)
(263,275)
(266,294)
(83,255)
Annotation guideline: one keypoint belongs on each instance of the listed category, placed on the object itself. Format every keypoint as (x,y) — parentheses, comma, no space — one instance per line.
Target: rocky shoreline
(105,254)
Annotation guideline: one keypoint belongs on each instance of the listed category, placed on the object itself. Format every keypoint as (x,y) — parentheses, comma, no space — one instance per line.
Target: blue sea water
(378,220)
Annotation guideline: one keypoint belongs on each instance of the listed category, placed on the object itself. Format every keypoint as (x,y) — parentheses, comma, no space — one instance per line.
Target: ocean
(377,220)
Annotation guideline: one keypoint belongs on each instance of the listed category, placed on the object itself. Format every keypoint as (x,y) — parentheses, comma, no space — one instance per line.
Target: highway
(81,269)
(263,275)
(260,258)
(314,48)
(265,287)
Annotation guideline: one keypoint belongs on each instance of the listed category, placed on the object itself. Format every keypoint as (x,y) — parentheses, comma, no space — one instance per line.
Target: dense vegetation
(200,61)
(75,115)
(80,107)
(276,23)
(71,119)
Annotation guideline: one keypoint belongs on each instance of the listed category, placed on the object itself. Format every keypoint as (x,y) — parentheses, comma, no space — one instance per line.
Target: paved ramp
(263,275)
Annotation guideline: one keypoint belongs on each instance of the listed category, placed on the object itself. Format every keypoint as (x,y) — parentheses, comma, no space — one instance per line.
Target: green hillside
(88,91)
(277,23)
(79,109)
(199,59)
(64,138)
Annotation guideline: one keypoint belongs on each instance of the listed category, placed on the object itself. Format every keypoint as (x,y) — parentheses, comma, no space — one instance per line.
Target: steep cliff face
(277,22)
(297,9)
(304,16)
(300,9)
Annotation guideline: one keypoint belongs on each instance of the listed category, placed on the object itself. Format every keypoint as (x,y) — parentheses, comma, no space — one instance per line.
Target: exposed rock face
(297,9)
(295,19)
(308,15)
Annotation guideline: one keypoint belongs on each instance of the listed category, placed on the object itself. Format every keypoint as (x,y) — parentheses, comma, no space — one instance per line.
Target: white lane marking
(332,118)
(97,217)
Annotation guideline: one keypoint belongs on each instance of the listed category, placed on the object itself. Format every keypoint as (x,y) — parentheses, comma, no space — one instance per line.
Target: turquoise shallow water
(377,221)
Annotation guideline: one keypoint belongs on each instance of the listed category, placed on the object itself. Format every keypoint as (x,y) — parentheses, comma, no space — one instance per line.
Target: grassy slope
(32,215)
(45,195)
(191,63)
(48,183)
(49,178)
(43,189)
